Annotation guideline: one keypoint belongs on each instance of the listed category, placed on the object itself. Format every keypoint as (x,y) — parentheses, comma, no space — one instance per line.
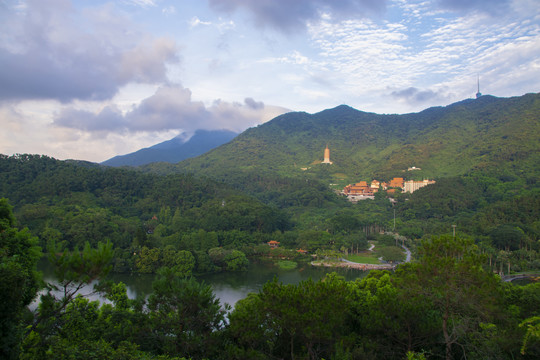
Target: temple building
(363,190)
(273,244)
(327,156)
(396,182)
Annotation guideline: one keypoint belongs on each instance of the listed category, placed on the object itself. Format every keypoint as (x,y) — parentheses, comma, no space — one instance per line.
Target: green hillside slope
(485,133)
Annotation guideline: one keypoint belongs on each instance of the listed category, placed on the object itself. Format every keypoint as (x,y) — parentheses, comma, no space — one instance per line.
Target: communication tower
(478,93)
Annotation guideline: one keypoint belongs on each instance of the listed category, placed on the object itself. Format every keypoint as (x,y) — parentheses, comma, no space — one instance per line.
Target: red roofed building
(396,183)
(273,244)
(375,184)
(359,188)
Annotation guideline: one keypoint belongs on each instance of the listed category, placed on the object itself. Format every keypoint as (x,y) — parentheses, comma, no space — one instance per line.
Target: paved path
(510,278)
(408,252)
(351,264)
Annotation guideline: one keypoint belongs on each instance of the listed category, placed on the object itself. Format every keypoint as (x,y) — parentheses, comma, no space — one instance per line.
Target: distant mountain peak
(176,149)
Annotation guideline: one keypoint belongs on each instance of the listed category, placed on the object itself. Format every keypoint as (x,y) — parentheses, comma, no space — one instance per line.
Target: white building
(411,185)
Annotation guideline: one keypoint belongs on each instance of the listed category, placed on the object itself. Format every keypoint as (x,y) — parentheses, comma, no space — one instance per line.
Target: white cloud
(170,108)
(365,55)
(141,3)
(195,21)
(169,10)
(12,123)
(52,51)
(290,16)
(439,62)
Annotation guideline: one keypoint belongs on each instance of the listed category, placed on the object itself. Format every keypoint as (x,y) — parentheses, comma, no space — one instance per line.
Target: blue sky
(94,79)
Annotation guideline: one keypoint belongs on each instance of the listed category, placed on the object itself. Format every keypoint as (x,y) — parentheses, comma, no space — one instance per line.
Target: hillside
(174,150)
(486,133)
(74,203)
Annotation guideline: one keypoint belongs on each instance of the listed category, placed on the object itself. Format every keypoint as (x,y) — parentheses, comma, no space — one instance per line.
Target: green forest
(478,224)
(448,303)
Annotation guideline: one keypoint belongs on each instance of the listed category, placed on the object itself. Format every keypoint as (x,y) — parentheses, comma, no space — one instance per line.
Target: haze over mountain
(174,150)
(483,133)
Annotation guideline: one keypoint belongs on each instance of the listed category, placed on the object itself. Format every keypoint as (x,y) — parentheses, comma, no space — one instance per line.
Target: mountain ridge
(443,141)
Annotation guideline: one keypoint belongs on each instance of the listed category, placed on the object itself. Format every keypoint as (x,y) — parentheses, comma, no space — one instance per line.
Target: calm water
(228,287)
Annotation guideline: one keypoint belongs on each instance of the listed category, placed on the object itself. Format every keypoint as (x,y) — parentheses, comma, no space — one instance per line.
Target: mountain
(485,133)
(174,150)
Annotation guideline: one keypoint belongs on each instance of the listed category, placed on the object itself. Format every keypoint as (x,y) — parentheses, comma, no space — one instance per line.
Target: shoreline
(351,265)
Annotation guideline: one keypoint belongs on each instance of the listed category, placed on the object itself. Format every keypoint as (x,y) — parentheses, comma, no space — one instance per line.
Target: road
(407,252)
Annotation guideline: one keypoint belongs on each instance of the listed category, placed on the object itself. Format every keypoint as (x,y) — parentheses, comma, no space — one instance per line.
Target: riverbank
(343,263)
(353,265)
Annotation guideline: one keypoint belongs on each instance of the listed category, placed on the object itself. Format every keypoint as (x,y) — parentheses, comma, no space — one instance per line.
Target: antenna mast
(478,94)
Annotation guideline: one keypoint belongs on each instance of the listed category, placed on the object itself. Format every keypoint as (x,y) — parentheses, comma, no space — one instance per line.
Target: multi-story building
(411,185)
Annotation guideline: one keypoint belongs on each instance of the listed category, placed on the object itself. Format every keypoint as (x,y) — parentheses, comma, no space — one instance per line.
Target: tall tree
(74,271)
(292,321)
(388,320)
(450,275)
(19,279)
(185,316)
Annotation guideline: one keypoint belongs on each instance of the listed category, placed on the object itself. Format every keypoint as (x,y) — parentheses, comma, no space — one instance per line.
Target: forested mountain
(174,150)
(448,303)
(484,133)
(72,203)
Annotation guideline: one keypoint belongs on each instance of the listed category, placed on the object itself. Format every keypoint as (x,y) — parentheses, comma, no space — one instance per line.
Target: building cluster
(362,190)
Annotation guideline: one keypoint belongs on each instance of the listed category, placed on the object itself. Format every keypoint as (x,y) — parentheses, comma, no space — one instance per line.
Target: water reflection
(228,287)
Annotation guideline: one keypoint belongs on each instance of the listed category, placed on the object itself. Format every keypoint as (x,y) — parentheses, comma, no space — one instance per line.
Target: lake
(229,287)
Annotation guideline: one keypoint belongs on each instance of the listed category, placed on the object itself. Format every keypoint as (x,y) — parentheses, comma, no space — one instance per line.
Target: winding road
(407,257)
(408,252)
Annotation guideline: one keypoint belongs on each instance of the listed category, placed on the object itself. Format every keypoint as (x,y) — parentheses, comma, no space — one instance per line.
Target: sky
(90,80)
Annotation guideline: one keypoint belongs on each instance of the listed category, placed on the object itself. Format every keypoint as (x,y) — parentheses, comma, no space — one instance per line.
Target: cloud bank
(288,16)
(495,7)
(417,96)
(170,108)
(49,55)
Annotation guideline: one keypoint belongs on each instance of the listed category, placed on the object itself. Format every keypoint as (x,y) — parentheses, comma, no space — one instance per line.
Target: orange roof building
(360,188)
(396,183)
(273,244)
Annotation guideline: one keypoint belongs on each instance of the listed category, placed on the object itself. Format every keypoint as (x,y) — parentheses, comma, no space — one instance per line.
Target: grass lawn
(287,265)
(363,259)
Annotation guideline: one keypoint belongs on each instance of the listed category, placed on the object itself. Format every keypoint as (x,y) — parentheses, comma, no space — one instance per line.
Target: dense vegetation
(155,220)
(445,305)
(479,219)
(154,217)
